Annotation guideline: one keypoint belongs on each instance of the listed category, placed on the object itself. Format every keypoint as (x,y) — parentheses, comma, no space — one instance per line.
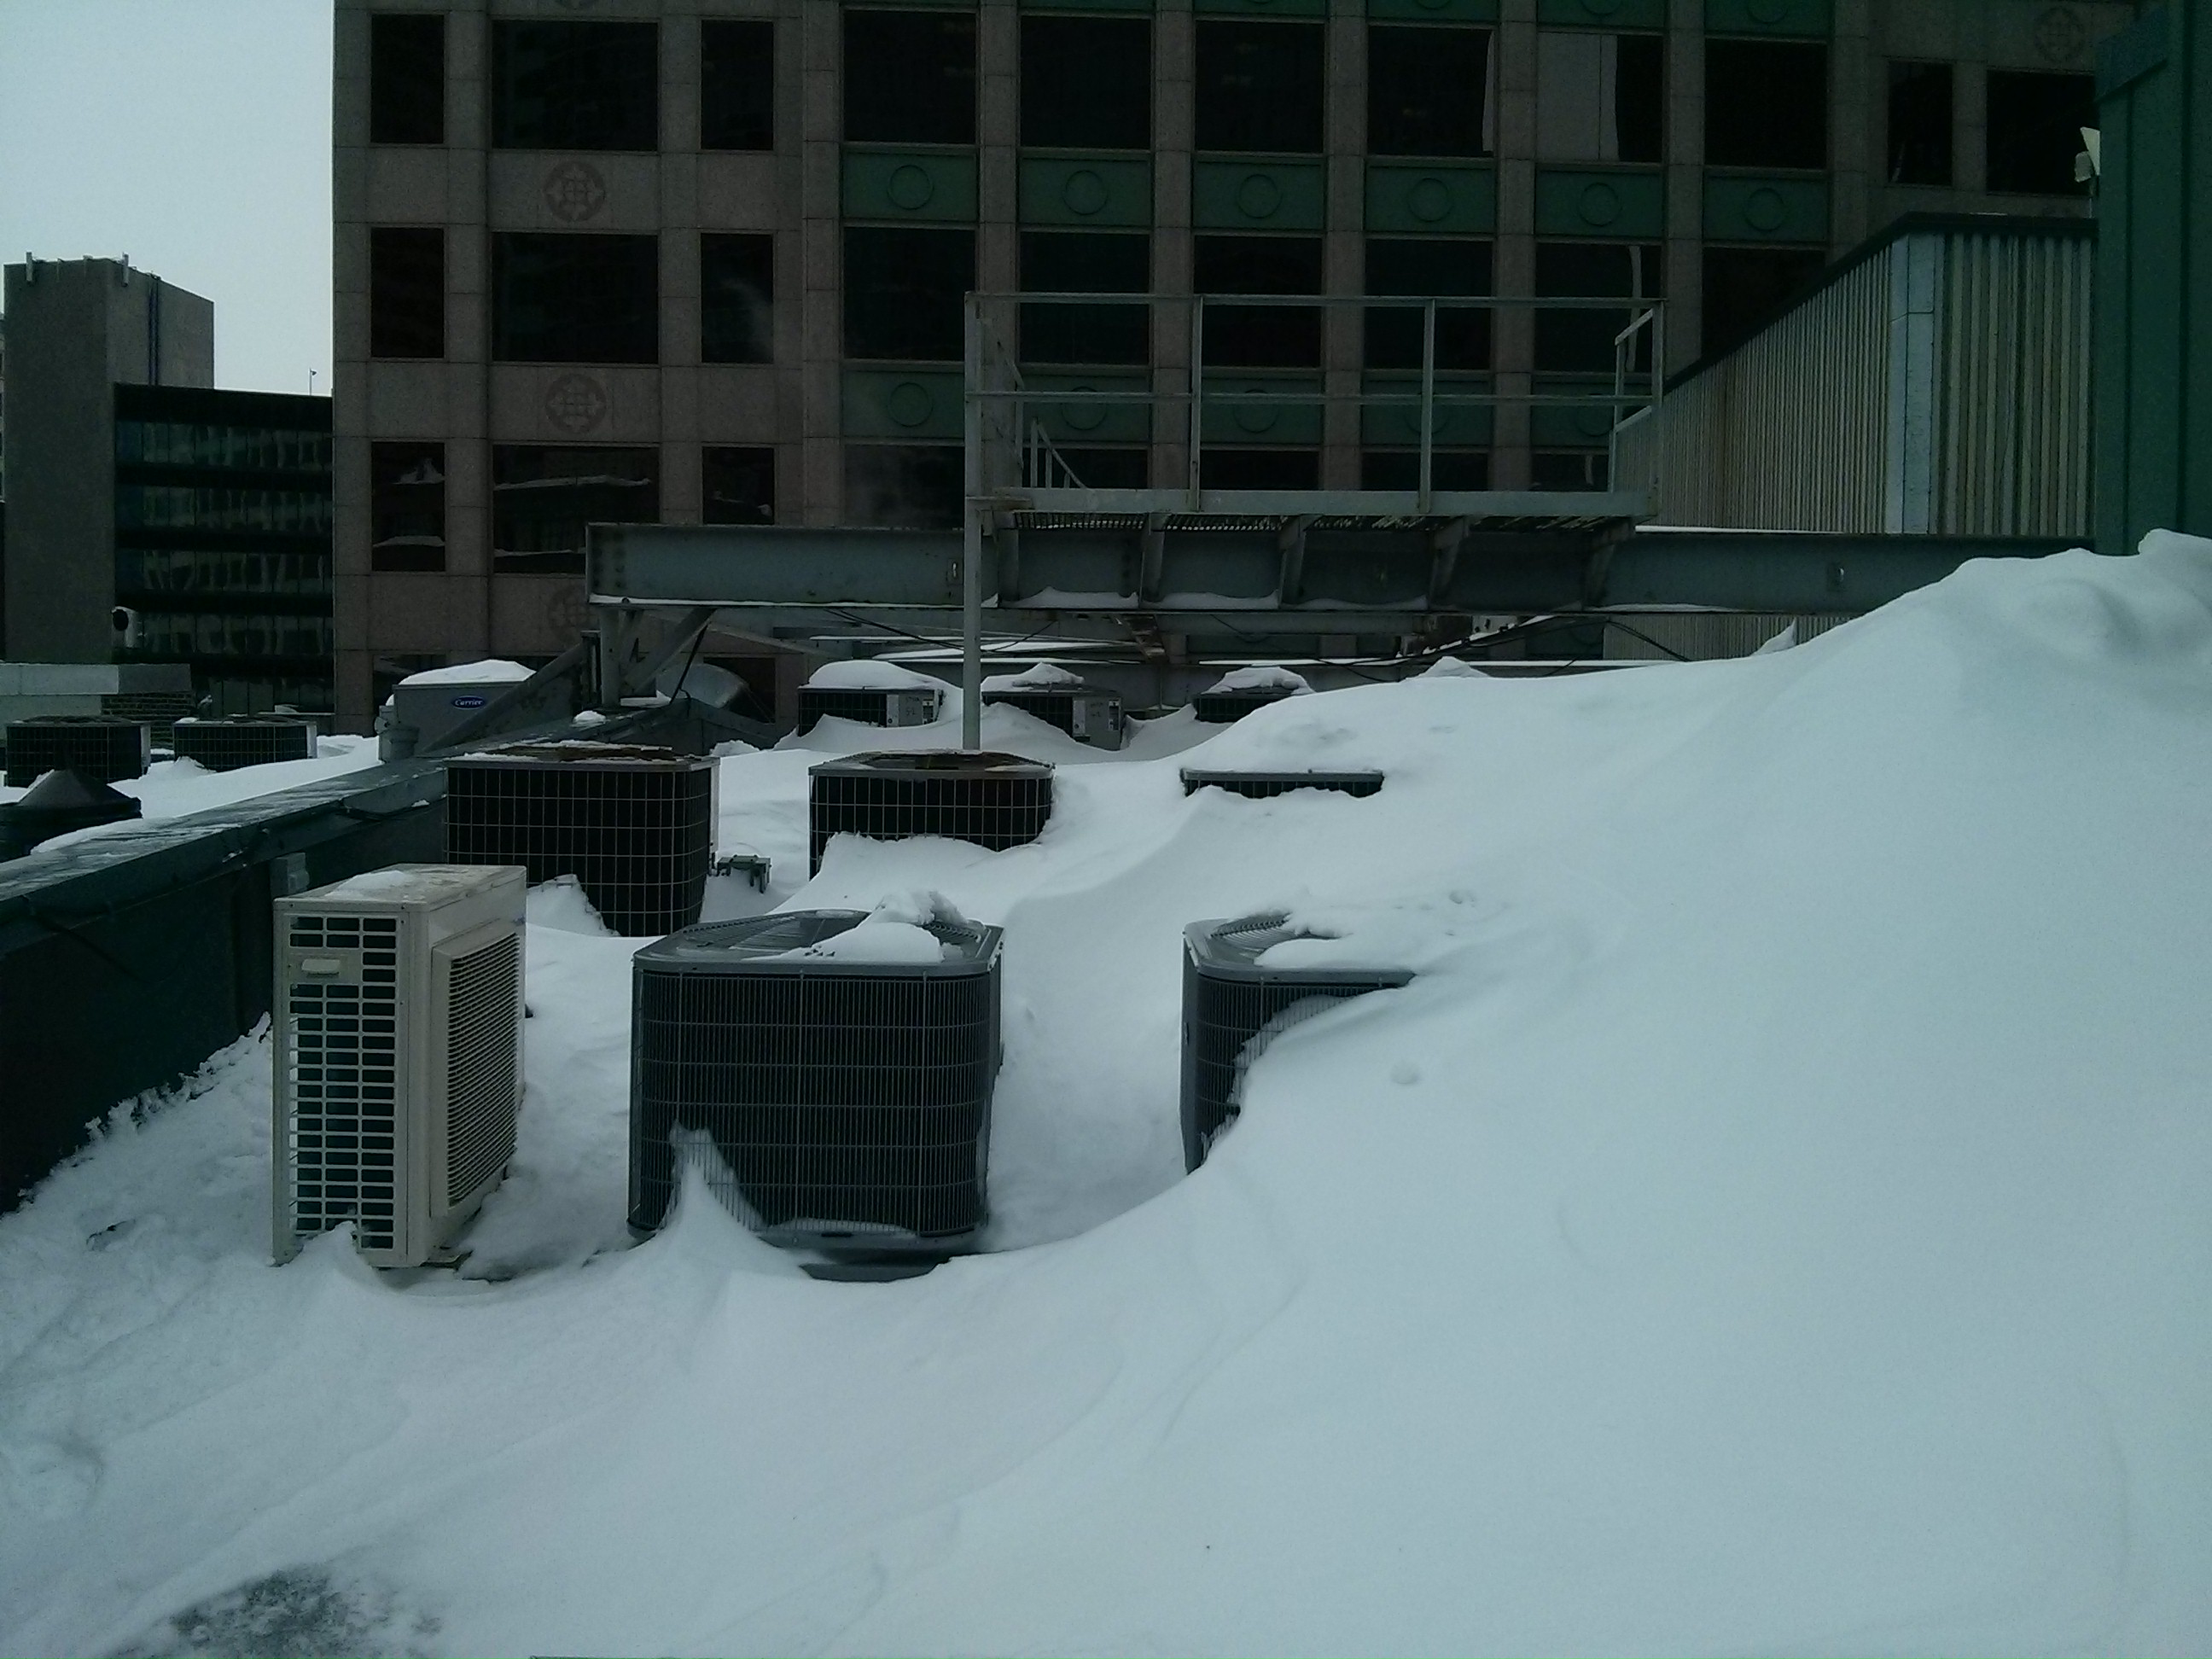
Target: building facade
(702,260)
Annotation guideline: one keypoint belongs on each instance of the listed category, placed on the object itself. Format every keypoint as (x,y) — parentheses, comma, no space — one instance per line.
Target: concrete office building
(701,260)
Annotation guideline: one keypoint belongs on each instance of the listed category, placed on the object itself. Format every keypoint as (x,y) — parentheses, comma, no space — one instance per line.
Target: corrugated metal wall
(1702,636)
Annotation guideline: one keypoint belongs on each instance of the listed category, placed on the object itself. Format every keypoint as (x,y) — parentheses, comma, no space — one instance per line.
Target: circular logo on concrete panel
(909,403)
(576,404)
(1256,417)
(1084,417)
(566,613)
(1598,204)
(575,192)
(910,187)
(1763,210)
(1258,196)
(1429,200)
(2060,34)
(1084,193)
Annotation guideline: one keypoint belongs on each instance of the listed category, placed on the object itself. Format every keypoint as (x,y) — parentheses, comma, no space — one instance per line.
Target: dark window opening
(1106,468)
(2035,123)
(737,292)
(906,486)
(1600,97)
(406,78)
(1579,340)
(1259,88)
(543,497)
(1766,104)
(1428,91)
(1085,261)
(1260,336)
(575,298)
(406,292)
(738,486)
(575,85)
(1919,123)
(904,290)
(1746,286)
(406,507)
(1087,81)
(1259,469)
(387,672)
(1401,469)
(910,77)
(1568,469)
(1420,267)
(737,84)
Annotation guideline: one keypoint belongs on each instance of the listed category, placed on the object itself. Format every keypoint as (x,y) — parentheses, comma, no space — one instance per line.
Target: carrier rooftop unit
(224,746)
(1088,713)
(398,1055)
(995,800)
(869,705)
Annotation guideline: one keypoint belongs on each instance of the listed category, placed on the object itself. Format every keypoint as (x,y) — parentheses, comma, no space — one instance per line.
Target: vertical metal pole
(1197,388)
(971,541)
(1428,397)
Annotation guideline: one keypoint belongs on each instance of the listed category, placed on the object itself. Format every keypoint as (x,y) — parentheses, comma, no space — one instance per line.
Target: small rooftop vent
(224,746)
(56,804)
(1241,690)
(1233,1005)
(993,799)
(1086,713)
(99,745)
(846,1086)
(869,705)
(1261,786)
(633,824)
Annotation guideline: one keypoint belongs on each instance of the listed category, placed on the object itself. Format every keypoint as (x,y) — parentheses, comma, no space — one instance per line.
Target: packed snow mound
(1044,676)
(1262,676)
(871,674)
(491,671)
(1772,1217)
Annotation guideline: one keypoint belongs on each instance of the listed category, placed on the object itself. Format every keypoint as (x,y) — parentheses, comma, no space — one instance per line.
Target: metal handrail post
(1197,390)
(1428,399)
(971,541)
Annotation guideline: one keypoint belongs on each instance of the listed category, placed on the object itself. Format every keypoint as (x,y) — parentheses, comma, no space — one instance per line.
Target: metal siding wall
(1703,636)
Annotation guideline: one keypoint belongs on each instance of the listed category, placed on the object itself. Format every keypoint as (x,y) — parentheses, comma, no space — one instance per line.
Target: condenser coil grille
(994,801)
(848,1101)
(95,745)
(1221,707)
(633,825)
(1262,786)
(1232,1005)
(480,1083)
(1084,713)
(342,1059)
(867,705)
(247,740)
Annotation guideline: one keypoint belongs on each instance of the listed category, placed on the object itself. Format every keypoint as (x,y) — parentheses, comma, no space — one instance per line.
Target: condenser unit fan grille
(226,746)
(99,747)
(1264,786)
(995,801)
(866,706)
(1223,708)
(343,1063)
(480,1061)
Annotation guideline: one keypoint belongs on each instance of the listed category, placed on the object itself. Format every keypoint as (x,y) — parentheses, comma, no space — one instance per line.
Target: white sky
(193,135)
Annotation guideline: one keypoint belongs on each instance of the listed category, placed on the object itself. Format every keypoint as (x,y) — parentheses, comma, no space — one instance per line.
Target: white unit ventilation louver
(398,1053)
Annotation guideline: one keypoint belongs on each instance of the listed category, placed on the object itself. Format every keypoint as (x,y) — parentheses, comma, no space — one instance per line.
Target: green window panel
(910,185)
(1625,206)
(1258,196)
(1087,5)
(1230,420)
(1807,18)
(1569,426)
(1081,190)
(1740,209)
(1397,425)
(902,404)
(1430,201)
(1434,11)
(1260,7)
(1607,13)
(1075,422)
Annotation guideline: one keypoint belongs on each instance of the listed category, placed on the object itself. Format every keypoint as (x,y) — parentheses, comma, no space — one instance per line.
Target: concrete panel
(566,403)
(405,185)
(412,612)
(536,616)
(737,404)
(534,190)
(738,192)
(408,400)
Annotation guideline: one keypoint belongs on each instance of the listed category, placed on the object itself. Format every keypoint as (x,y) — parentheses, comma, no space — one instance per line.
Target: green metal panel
(1057,190)
(1260,7)
(1399,425)
(1231,420)
(1604,14)
(1087,5)
(1754,210)
(915,184)
(1804,18)
(905,403)
(1571,426)
(1078,422)
(1629,206)
(2153,267)
(1433,11)
(1431,200)
(1258,196)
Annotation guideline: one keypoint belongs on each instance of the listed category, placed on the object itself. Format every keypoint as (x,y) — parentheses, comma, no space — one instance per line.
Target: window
(1600,97)
(406,293)
(737,85)
(1422,267)
(1105,467)
(406,78)
(910,77)
(1919,123)
(1401,469)
(542,496)
(911,486)
(1087,81)
(1258,468)
(1766,104)
(738,486)
(737,290)
(1428,91)
(1745,285)
(575,85)
(406,507)
(1566,469)
(1260,336)
(1259,88)
(575,298)
(1580,341)
(903,292)
(1085,261)
(2035,123)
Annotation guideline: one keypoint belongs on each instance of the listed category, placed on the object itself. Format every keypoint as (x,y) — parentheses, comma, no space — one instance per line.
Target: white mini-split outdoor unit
(397,1054)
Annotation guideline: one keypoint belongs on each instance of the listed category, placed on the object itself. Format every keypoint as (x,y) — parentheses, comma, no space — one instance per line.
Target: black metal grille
(994,801)
(342,1078)
(1058,707)
(95,745)
(867,705)
(1221,707)
(480,988)
(635,826)
(248,740)
(1261,786)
